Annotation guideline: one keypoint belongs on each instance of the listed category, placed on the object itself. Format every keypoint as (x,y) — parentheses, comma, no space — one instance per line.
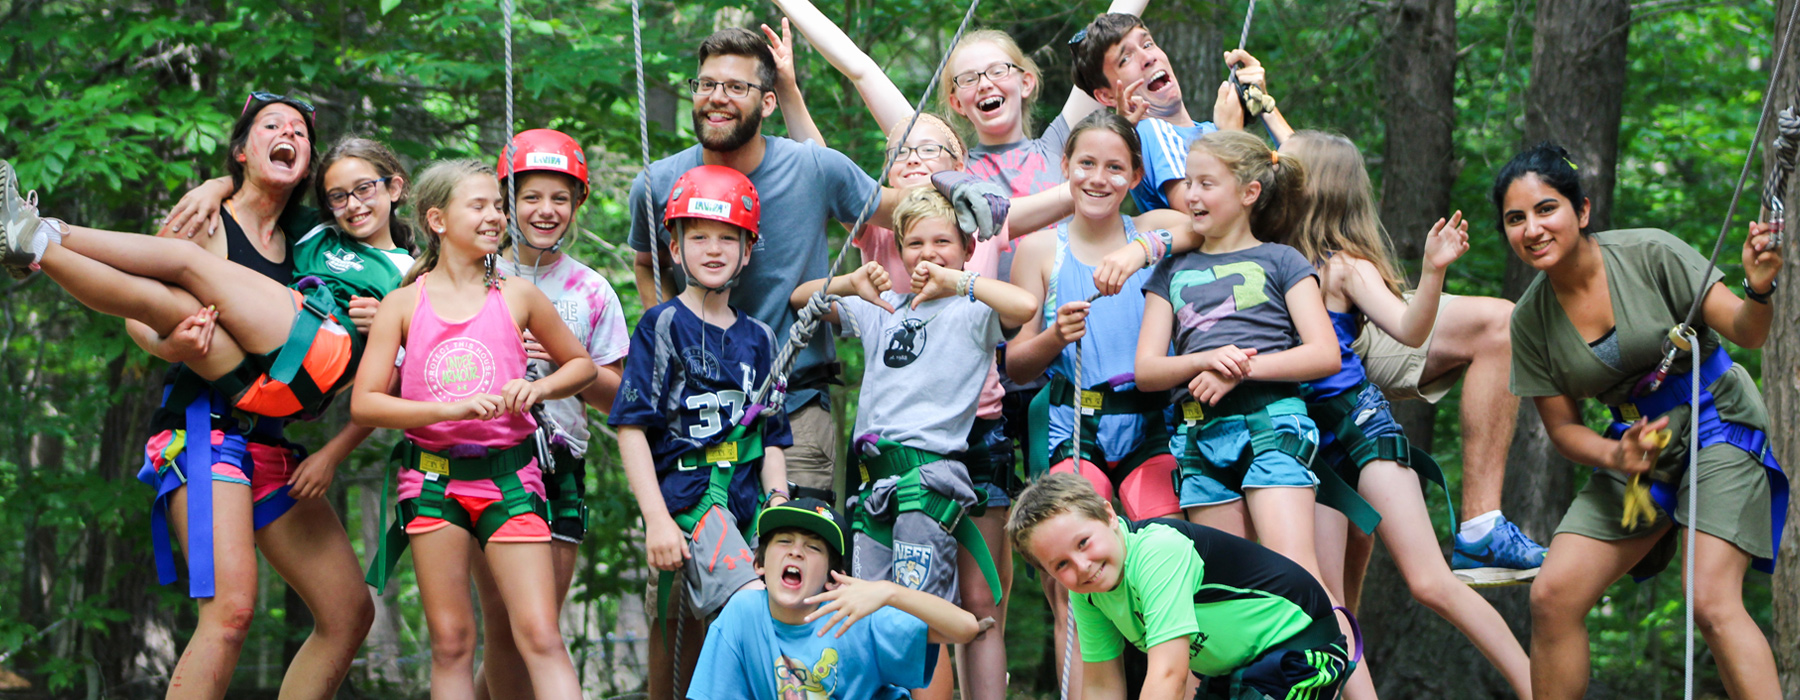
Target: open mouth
(1158,81)
(1095,194)
(546,226)
(358,218)
(990,104)
(719,117)
(1538,247)
(790,576)
(284,154)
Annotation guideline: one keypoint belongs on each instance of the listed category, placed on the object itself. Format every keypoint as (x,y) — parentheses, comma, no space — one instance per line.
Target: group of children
(1192,364)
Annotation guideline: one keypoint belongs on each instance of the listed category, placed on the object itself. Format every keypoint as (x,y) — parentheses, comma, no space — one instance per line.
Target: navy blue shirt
(687,384)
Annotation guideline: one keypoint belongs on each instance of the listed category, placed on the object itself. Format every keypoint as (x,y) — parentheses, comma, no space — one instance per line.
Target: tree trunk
(1781,385)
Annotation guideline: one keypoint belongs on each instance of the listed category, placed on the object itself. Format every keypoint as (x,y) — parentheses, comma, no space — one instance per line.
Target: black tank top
(240,250)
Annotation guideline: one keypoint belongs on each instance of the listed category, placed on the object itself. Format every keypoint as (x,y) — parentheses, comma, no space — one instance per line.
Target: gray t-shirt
(1236,298)
(802,186)
(923,368)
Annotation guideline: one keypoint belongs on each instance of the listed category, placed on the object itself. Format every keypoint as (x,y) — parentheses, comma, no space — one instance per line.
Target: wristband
(1149,257)
(968,284)
(1760,297)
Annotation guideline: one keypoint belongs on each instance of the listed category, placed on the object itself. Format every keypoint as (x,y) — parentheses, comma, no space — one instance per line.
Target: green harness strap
(910,495)
(284,364)
(741,447)
(501,465)
(317,305)
(1339,413)
(1099,400)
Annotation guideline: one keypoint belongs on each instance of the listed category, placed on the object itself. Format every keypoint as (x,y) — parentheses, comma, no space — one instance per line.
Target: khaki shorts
(811,462)
(1396,368)
(1734,505)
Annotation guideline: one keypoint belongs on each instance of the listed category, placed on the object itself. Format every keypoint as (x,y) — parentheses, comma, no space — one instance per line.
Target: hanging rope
(774,386)
(637,50)
(512,180)
(1686,333)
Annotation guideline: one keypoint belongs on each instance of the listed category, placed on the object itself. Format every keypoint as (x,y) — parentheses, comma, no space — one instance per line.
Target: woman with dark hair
(1593,324)
(264,491)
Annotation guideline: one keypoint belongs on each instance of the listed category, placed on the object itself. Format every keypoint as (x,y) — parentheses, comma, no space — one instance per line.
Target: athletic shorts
(1286,673)
(327,361)
(466,511)
(1375,420)
(1147,491)
(1735,502)
(995,475)
(265,468)
(566,490)
(923,555)
(1223,441)
(1398,369)
(721,562)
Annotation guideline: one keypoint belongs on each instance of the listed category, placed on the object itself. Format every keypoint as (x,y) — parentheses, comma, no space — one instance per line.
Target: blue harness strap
(1713,431)
(196,458)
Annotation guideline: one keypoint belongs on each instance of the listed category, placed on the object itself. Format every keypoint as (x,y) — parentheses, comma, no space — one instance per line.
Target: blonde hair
(1340,207)
(957,151)
(921,203)
(1278,207)
(1004,41)
(1051,496)
(436,185)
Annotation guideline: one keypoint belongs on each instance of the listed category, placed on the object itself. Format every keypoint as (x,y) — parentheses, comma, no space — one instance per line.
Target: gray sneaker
(19,219)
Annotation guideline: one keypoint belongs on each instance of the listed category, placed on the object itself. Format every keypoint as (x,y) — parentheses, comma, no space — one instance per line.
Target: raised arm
(788,97)
(884,99)
(1409,322)
(1079,104)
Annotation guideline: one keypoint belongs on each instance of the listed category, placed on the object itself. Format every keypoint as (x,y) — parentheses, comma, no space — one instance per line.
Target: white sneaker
(19,219)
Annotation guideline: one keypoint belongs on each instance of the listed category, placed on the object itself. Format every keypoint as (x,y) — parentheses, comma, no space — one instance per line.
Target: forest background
(112,109)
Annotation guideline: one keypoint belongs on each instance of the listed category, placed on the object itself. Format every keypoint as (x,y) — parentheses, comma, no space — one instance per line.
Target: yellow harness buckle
(434,464)
(1092,401)
(724,453)
(1630,413)
(1192,411)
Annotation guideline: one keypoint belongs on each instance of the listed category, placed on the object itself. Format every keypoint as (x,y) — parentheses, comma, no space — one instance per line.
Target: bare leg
(257,310)
(309,548)
(1406,530)
(1477,334)
(1746,665)
(661,683)
(441,562)
(981,664)
(206,665)
(1574,576)
(1233,517)
(942,684)
(1330,530)
(1358,546)
(1284,519)
(523,573)
(163,307)
(502,673)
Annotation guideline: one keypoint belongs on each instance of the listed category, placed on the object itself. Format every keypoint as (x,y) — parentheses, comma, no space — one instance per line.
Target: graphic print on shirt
(720,410)
(798,682)
(459,368)
(1207,306)
(341,260)
(905,342)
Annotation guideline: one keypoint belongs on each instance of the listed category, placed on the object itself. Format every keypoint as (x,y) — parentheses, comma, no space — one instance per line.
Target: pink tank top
(451,361)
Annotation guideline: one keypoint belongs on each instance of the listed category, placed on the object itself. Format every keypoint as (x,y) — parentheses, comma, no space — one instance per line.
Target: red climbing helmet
(718,193)
(547,150)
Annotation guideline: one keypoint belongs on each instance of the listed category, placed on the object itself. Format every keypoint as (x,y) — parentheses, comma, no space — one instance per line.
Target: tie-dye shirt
(589,307)
(1236,298)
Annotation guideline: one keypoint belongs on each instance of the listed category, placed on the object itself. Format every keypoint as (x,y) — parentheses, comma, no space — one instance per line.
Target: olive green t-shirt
(1651,278)
(1231,598)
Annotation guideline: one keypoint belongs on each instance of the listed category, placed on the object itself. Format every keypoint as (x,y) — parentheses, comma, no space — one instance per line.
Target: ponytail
(1280,206)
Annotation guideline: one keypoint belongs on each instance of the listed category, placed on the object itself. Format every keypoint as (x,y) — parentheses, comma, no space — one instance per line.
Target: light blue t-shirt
(801,186)
(1165,159)
(751,656)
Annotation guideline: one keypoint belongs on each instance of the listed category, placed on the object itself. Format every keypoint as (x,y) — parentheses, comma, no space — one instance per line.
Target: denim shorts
(1223,441)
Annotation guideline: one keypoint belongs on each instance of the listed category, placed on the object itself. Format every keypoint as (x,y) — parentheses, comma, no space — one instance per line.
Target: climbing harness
(881,459)
(1338,415)
(459,463)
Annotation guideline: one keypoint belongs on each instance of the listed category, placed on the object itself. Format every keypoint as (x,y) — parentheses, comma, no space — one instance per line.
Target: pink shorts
(1147,492)
(269,466)
(529,527)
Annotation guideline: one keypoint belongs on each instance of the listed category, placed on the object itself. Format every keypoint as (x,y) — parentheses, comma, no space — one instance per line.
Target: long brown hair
(1340,207)
(1279,207)
(433,191)
(387,165)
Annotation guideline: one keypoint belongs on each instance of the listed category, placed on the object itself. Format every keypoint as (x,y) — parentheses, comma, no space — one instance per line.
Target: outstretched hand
(852,600)
(1446,242)
(782,45)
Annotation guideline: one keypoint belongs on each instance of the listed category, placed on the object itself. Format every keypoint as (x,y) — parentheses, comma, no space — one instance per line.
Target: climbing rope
(512,180)
(637,50)
(1069,636)
(774,386)
(1686,333)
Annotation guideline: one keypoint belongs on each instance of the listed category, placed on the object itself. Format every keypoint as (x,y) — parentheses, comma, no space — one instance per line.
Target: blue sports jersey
(750,656)
(687,384)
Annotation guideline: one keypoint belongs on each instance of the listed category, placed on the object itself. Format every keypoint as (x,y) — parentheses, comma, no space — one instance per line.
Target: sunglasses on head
(263,98)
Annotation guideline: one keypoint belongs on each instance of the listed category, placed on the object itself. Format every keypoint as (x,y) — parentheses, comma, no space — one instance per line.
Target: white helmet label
(709,207)
(547,160)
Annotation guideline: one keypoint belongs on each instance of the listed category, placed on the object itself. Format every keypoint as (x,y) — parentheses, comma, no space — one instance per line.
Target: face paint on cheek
(1118,181)
(1078,174)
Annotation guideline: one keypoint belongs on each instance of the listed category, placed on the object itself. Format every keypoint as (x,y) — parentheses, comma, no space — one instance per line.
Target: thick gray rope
(512,180)
(774,386)
(637,48)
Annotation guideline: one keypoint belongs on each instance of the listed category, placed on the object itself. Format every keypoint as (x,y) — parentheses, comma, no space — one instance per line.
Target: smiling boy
(779,642)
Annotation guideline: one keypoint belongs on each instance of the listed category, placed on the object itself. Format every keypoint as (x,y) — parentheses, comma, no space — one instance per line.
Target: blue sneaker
(1504,557)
